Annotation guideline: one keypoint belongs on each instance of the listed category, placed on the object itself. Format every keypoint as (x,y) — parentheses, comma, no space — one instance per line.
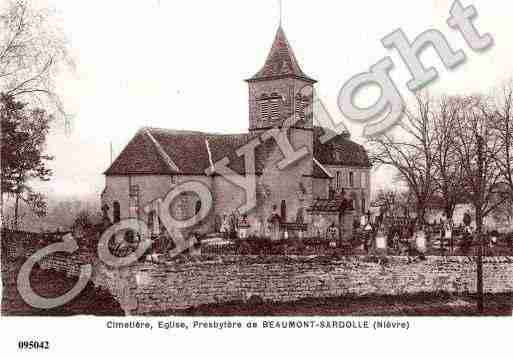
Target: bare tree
(502,127)
(33,49)
(477,149)
(409,148)
(393,202)
(449,171)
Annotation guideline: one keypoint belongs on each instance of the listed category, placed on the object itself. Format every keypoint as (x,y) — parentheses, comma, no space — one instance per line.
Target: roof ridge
(167,159)
(170,130)
(322,168)
(212,167)
(187,132)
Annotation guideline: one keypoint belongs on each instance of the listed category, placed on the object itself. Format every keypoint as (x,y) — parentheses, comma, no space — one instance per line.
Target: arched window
(129,236)
(133,203)
(151,222)
(283,211)
(117,212)
(354,201)
(182,207)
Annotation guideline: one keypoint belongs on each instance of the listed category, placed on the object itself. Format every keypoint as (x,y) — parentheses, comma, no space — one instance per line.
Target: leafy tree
(33,51)
(24,133)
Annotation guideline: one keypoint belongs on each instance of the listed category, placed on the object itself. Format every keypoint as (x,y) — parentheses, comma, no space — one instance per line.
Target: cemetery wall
(70,265)
(150,287)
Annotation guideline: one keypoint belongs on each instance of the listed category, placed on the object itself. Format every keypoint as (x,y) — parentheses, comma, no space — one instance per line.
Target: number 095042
(33,345)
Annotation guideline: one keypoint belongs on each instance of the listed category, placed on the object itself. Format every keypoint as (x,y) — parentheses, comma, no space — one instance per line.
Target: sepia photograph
(173,167)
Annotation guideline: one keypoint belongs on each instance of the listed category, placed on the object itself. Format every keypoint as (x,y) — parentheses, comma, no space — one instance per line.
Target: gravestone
(381,241)
(420,241)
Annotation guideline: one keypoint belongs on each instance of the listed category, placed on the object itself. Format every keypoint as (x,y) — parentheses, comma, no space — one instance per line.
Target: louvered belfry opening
(276,91)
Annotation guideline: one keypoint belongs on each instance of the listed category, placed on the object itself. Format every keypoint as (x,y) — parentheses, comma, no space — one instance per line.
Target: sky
(181,65)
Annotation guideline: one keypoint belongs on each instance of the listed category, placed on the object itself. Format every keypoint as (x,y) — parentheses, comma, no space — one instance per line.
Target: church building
(329,184)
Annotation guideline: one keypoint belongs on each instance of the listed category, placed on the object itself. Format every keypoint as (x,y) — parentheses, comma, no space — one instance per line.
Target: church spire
(281,10)
(281,61)
(277,91)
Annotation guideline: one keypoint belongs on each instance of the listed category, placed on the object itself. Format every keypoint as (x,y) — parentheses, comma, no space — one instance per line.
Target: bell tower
(280,90)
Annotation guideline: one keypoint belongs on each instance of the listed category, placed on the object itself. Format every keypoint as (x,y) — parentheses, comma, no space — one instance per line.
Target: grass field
(441,304)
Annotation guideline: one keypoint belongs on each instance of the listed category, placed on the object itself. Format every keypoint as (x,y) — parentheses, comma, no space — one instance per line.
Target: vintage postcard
(343,169)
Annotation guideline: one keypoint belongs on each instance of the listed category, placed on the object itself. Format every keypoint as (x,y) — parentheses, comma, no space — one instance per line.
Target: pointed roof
(281,61)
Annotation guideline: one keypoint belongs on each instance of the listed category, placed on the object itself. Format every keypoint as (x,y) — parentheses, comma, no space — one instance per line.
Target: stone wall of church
(321,187)
(149,188)
(228,197)
(117,189)
(288,184)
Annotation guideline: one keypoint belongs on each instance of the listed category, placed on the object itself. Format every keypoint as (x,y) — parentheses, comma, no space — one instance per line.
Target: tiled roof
(161,151)
(187,150)
(139,157)
(339,151)
(222,146)
(281,61)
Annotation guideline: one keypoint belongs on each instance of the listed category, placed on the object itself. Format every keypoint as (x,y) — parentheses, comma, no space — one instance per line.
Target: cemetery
(218,271)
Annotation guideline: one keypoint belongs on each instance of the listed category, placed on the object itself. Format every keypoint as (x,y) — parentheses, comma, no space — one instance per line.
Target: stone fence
(181,284)
(70,265)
